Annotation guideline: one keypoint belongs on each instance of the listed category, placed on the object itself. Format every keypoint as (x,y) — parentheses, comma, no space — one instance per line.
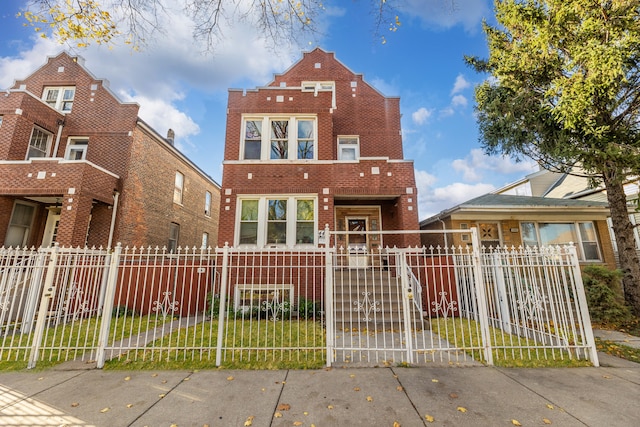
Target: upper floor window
(60,98)
(583,234)
(40,143)
(277,221)
(279,138)
(76,149)
(178,188)
(207,203)
(348,148)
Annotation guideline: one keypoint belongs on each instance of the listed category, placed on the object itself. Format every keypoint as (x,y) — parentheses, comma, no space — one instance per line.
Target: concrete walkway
(454,396)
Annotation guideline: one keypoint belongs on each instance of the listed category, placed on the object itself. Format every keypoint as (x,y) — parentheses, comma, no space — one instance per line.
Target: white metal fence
(278,308)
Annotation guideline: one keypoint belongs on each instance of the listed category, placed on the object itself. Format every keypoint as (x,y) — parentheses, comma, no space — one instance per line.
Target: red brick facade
(378,187)
(124,160)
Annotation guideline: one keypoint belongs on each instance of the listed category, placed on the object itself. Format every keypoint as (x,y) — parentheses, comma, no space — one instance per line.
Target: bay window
(279,138)
(276,221)
(582,234)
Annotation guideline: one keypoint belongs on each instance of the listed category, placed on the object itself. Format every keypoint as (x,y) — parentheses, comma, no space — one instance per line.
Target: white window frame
(291,220)
(26,228)
(172,245)
(576,232)
(343,145)
(292,136)
(59,102)
(49,136)
(205,240)
(178,188)
(207,203)
(76,144)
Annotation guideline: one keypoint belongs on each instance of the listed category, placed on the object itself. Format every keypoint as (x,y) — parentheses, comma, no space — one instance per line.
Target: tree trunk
(623,229)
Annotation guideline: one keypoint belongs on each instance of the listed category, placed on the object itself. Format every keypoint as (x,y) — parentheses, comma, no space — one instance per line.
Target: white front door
(51,228)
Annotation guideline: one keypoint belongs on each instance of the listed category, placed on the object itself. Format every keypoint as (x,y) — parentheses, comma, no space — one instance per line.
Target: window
(582,234)
(279,138)
(174,234)
(20,225)
(177,190)
(39,144)
(60,98)
(207,203)
(205,240)
(1,120)
(76,149)
(277,221)
(348,148)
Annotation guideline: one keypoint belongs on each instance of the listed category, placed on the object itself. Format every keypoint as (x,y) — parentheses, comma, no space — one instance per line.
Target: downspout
(116,197)
(60,124)
(446,244)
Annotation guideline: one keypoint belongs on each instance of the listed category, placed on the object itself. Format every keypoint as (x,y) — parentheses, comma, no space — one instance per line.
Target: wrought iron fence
(283,307)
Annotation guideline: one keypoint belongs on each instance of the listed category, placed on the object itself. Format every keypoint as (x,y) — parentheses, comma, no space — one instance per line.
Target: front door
(357,243)
(51,228)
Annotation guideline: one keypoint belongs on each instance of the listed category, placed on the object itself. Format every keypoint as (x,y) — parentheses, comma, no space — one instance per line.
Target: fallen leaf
(277,415)
(174,425)
(263,389)
(461,409)
(399,388)
(329,406)
(161,395)
(154,375)
(369,399)
(396,424)
(606,377)
(284,407)
(352,375)
(127,378)
(453,395)
(356,389)
(305,413)
(40,379)
(546,421)
(249,421)
(130,405)
(164,381)
(428,418)
(297,423)
(103,410)
(229,378)
(186,379)
(75,404)
(550,406)
(515,422)
(434,380)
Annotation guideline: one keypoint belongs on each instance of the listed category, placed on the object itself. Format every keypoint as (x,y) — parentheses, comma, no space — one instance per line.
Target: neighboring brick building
(72,155)
(317,146)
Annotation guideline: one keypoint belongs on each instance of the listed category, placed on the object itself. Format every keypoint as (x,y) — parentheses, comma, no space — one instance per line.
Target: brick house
(317,146)
(79,167)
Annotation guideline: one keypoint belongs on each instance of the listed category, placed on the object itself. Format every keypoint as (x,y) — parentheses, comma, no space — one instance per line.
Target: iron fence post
(406,305)
(482,297)
(109,295)
(223,302)
(328,300)
(48,291)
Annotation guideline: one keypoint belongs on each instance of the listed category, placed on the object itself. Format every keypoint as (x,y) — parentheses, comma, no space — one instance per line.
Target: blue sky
(422,62)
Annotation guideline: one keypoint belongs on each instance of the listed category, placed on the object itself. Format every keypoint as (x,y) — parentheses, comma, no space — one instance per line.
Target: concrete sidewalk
(460,396)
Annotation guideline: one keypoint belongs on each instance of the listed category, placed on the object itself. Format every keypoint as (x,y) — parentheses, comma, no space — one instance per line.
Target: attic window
(283,84)
(318,65)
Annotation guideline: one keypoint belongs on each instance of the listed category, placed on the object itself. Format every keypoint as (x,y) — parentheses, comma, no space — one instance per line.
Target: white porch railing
(313,306)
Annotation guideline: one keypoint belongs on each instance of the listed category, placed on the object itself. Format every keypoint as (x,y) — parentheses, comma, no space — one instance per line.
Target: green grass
(247,344)
(618,350)
(73,335)
(465,334)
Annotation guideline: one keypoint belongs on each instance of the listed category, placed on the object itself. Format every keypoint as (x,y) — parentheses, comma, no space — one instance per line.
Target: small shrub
(308,309)
(213,305)
(604,296)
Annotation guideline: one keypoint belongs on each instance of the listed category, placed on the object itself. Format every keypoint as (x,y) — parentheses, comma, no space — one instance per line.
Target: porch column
(74,219)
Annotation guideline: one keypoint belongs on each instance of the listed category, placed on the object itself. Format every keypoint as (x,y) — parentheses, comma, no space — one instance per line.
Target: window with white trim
(39,143)
(277,221)
(60,98)
(582,234)
(207,203)
(76,149)
(348,148)
(174,235)
(205,240)
(178,188)
(279,138)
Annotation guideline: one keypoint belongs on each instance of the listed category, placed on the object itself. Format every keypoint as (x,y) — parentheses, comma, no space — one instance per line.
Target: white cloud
(446,112)
(446,14)
(460,84)
(432,199)
(477,163)
(387,89)
(421,115)
(459,101)
(21,66)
